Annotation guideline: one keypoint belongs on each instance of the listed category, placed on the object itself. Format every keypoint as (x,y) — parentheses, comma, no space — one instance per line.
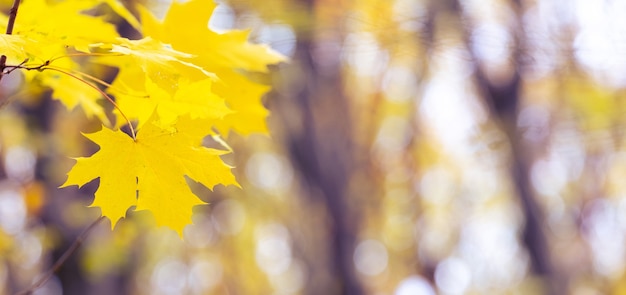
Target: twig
(10,24)
(79,240)
(12,16)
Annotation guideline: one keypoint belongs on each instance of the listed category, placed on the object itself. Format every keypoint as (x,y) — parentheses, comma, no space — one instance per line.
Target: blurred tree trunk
(502,96)
(316,117)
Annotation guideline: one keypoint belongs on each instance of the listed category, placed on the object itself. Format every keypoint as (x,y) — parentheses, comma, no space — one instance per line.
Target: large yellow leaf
(62,24)
(149,172)
(153,76)
(186,28)
(225,54)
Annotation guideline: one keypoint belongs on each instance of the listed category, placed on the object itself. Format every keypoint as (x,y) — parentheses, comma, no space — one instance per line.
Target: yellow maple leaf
(190,98)
(149,172)
(153,76)
(185,28)
(243,97)
(225,54)
(62,24)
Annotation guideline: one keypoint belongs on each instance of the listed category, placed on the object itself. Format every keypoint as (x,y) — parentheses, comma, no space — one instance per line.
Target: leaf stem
(108,85)
(85,54)
(130,125)
(55,267)
(90,77)
(10,24)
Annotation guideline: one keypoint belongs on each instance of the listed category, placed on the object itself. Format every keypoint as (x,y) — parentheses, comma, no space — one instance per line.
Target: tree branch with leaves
(176,85)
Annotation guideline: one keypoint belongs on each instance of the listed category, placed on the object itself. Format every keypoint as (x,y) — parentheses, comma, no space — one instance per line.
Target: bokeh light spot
(414,285)
(452,276)
(169,277)
(269,171)
(370,257)
(229,217)
(273,250)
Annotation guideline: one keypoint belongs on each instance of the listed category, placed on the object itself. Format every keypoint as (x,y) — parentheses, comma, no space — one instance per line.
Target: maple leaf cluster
(176,85)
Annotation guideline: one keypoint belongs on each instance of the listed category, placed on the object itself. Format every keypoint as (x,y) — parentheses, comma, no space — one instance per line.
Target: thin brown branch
(10,24)
(57,265)
(12,16)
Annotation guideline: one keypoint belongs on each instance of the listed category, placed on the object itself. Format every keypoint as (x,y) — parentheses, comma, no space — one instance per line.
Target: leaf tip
(66,184)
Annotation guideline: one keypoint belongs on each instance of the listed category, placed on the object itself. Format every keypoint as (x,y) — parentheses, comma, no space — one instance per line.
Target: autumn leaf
(185,28)
(149,172)
(225,54)
(191,98)
(154,76)
(153,56)
(243,97)
(178,84)
(62,24)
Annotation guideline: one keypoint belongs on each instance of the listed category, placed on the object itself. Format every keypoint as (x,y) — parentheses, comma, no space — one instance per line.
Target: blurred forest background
(417,147)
